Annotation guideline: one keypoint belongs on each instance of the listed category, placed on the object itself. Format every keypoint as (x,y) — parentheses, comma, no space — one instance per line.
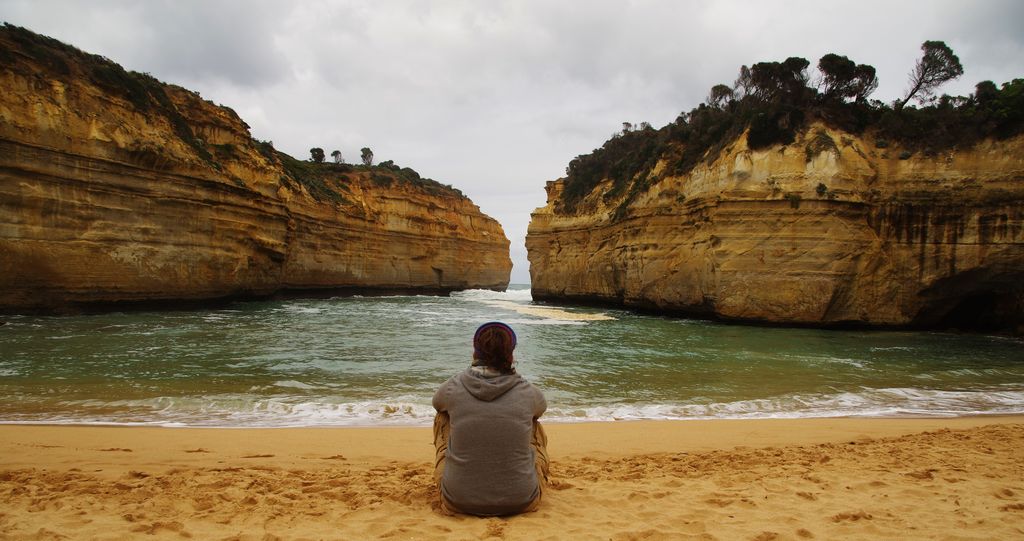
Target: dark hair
(493,345)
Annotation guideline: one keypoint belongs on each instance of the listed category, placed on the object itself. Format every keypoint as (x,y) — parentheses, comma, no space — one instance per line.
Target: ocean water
(378,360)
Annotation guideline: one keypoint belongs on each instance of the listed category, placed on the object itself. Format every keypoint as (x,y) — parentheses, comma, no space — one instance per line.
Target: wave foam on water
(288,411)
(513,295)
(548,313)
(869,403)
(519,301)
(236,412)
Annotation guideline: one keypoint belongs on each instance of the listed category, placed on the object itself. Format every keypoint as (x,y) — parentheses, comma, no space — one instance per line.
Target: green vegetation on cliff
(327,181)
(24,50)
(773,101)
(66,63)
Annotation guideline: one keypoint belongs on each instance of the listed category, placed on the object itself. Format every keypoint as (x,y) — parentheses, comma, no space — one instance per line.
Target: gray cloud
(231,41)
(181,41)
(496,97)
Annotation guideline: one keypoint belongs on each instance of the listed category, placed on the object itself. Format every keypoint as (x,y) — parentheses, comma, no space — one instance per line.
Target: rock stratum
(829,230)
(117,188)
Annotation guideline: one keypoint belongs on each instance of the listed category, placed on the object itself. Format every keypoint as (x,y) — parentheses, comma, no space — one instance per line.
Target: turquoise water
(377,361)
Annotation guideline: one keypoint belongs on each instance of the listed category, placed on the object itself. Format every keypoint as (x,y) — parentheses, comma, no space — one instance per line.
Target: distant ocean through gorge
(375,361)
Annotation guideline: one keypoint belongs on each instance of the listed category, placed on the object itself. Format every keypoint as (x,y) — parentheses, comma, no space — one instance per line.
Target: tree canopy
(317,154)
(937,65)
(774,81)
(367,156)
(841,78)
(720,96)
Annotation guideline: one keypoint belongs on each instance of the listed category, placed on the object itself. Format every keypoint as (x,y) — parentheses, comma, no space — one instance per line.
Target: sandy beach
(960,478)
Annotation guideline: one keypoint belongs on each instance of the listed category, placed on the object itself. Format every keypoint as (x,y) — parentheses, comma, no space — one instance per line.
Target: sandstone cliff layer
(830,230)
(115,187)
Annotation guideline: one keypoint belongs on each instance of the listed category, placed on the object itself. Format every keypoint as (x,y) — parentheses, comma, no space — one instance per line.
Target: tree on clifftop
(936,66)
(337,157)
(367,156)
(841,78)
(317,154)
(774,82)
(866,82)
(720,96)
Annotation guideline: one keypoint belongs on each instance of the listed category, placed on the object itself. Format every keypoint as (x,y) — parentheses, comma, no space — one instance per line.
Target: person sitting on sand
(491,452)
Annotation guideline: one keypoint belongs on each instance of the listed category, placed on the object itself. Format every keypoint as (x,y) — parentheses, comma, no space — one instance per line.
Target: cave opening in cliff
(987,311)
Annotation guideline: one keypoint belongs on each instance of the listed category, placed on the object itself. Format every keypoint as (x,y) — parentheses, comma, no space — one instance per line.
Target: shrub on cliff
(618,160)
(957,121)
(312,175)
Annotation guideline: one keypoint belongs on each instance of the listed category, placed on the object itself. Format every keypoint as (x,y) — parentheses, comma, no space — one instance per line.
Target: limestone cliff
(828,230)
(115,187)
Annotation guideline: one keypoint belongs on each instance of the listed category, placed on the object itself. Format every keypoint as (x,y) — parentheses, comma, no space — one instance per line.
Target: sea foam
(412,410)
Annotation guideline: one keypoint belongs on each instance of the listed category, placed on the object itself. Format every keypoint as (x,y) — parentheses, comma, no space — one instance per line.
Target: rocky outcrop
(117,188)
(830,230)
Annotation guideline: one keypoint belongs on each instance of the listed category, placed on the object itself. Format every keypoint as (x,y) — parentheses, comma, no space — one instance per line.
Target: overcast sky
(495,97)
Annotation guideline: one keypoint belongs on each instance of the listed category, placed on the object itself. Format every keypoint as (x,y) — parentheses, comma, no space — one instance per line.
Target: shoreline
(701,314)
(557,421)
(824,478)
(68,307)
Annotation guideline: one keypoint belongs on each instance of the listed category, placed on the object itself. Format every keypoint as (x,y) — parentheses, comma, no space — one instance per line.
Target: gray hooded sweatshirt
(489,469)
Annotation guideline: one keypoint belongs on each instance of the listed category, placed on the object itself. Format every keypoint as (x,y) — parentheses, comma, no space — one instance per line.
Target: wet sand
(957,478)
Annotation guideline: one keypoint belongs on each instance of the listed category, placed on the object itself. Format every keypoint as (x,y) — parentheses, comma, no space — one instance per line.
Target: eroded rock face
(153,194)
(809,234)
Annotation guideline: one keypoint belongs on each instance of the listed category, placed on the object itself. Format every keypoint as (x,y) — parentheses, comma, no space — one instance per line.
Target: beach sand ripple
(939,484)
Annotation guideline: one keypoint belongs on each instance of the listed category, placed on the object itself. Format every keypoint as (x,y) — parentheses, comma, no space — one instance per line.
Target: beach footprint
(495,528)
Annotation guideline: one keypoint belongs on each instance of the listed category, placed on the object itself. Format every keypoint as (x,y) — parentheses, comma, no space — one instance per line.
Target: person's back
(491,452)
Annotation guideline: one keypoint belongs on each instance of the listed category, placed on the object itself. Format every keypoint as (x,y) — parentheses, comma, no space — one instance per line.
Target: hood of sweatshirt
(488,388)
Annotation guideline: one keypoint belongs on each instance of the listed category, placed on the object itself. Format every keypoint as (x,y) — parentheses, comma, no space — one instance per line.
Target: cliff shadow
(975,301)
